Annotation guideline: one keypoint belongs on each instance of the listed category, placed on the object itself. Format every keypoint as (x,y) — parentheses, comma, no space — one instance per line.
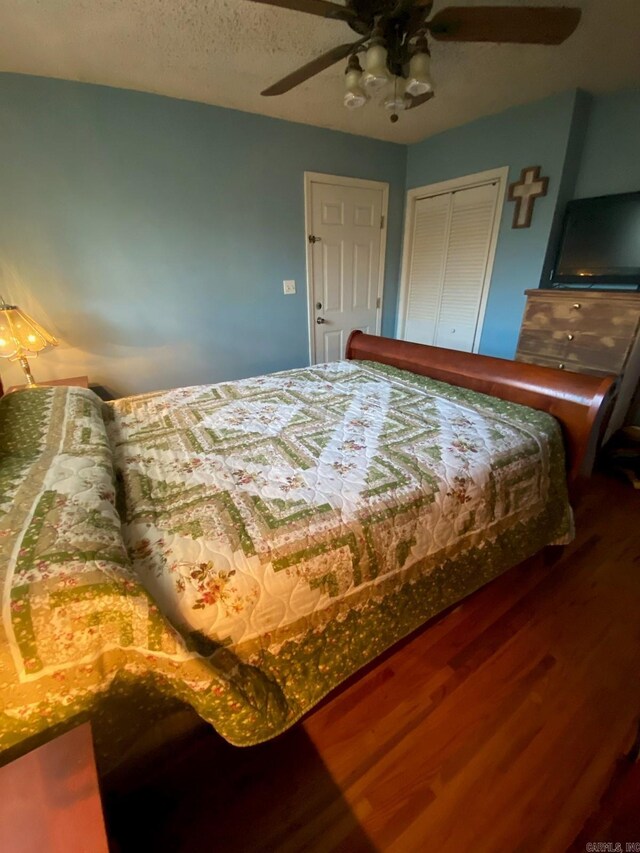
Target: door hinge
(381,222)
(378,302)
(314,239)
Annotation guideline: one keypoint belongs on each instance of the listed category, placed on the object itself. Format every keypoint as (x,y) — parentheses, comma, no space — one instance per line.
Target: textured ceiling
(225,51)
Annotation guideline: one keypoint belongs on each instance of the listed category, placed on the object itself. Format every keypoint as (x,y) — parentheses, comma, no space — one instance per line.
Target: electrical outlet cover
(289,286)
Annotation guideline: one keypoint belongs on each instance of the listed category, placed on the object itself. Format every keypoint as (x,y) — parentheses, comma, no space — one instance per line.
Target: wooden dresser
(586,331)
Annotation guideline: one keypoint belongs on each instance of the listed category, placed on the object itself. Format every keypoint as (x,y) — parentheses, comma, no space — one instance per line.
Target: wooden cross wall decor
(524,192)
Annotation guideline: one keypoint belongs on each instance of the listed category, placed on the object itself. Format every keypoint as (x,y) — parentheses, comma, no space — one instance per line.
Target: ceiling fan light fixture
(354,100)
(419,81)
(354,96)
(394,36)
(396,100)
(395,103)
(375,75)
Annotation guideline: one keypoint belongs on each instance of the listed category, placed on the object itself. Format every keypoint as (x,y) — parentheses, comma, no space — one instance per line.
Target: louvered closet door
(428,252)
(470,229)
(449,257)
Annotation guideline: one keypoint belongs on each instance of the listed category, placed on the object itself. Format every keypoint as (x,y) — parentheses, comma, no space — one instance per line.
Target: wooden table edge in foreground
(75,381)
(50,799)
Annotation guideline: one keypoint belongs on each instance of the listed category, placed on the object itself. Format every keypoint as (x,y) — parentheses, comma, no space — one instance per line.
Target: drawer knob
(570,337)
(576,305)
(561,366)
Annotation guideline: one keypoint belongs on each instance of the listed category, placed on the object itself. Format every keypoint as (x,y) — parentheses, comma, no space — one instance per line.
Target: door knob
(320,321)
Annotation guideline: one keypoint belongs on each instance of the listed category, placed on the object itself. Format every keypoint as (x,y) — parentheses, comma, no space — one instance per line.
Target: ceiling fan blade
(519,25)
(323,8)
(403,7)
(312,68)
(420,99)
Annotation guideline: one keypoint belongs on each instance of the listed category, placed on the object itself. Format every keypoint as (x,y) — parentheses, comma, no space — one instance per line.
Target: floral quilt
(245,547)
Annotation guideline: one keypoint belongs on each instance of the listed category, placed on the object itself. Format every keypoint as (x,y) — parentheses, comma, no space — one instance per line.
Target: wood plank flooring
(497,727)
(618,816)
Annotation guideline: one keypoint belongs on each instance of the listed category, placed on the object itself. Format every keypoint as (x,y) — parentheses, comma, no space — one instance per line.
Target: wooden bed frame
(580,402)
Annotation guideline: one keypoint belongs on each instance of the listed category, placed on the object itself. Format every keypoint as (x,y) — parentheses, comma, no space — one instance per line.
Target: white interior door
(448,257)
(346,230)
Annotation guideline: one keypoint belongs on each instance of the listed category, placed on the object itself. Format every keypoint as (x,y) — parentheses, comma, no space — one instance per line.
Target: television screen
(601,241)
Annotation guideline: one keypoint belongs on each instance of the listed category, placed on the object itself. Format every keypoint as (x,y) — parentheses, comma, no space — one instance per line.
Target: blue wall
(567,184)
(153,234)
(610,160)
(530,135)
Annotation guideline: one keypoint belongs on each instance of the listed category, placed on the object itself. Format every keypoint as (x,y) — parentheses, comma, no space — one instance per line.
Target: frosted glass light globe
(419,81)
(375,75)
(354,95)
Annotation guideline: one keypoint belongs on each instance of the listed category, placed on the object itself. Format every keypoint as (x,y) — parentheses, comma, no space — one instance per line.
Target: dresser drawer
(545,343)
(608,317)
(599,352)
(583,349)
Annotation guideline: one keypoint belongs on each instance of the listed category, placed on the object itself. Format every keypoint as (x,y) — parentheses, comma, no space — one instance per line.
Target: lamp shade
(20,336)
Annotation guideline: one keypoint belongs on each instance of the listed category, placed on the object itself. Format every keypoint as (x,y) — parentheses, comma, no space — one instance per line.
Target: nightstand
(77,381)
(50,799)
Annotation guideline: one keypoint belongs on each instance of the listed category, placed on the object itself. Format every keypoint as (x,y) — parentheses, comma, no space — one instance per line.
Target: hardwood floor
(618,816)
(497,727)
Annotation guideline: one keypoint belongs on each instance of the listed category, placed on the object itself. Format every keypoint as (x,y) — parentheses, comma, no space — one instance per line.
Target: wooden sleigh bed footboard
(580,402)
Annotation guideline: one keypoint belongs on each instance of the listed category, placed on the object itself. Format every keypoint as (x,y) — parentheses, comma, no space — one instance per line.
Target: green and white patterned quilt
(274,535)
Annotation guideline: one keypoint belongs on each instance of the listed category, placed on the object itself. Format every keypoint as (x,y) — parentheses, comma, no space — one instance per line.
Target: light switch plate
(289,286)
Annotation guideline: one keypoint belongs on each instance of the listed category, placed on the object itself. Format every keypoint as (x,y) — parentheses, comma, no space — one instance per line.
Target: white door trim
(500,175)
(339,180)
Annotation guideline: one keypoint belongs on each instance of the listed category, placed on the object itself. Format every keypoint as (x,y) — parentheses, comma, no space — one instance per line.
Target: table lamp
(21,337)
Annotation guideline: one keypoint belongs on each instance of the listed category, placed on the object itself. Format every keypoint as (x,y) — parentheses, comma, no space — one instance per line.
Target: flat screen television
(600,241)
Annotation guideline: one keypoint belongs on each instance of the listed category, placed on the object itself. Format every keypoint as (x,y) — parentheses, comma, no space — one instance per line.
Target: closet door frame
(501,177)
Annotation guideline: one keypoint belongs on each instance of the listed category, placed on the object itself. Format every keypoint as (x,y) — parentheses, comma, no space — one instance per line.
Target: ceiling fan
(394,40)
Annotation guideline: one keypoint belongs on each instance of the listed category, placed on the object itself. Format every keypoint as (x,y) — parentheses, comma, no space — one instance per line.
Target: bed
(244,548)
